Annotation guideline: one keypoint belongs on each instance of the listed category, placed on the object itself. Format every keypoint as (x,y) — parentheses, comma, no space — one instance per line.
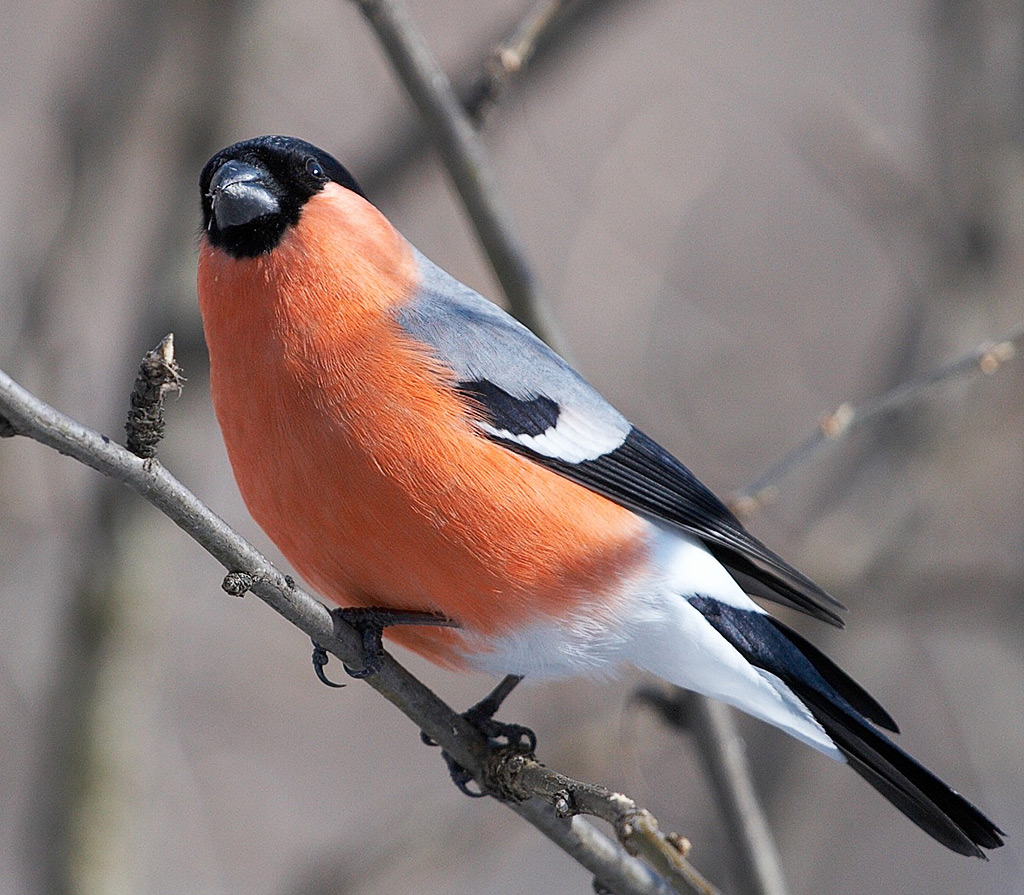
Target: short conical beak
(239,194)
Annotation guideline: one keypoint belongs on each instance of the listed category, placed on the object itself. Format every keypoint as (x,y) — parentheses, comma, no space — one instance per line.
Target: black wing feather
(642,475)
(514,415)
(675,495)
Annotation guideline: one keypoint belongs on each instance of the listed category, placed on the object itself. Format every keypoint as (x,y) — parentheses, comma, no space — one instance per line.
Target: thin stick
(520,776)
(986,358)
(713,727)
(721,748)
(513,53)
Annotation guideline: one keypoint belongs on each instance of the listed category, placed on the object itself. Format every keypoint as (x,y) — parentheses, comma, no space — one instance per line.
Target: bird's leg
(370,623)
(499,734)
(481,715)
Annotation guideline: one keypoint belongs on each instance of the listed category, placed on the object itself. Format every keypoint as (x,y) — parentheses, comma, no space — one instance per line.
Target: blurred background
(741,214)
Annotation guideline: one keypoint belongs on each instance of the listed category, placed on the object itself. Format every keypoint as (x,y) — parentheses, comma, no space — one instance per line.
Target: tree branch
(21,413)
(464,157)
(406,139)
(520,776)
(512,54)
(986,358)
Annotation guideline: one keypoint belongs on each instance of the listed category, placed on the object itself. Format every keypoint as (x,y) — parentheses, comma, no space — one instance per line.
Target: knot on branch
(515,777)
(838,421)
(237,583)
(746,506)
(502,773)
(995,356)
(6,429)
(158,373)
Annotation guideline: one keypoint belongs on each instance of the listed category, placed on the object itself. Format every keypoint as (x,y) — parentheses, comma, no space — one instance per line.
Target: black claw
(462,778)
(360,674)
(499,735)
(371,628)
(481,716)
(320,659)
(370,623)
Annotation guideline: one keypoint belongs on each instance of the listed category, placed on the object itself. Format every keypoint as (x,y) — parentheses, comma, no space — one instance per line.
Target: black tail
(936,808)
(841,707)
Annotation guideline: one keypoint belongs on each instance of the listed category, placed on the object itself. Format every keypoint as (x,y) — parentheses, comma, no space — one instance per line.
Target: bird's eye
(314,169)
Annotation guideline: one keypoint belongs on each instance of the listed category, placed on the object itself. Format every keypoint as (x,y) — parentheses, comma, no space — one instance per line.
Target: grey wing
(531,396)
(534,403)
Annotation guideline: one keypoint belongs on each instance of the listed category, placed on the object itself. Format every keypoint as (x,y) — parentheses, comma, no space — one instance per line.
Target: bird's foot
(320,658)
(370,623)
(500,735)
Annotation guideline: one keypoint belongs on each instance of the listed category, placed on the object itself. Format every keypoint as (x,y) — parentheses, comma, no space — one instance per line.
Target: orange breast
(357,458)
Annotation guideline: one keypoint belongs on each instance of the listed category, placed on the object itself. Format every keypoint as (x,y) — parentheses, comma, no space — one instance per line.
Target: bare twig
(27,415)
(714,724)
(464,157)
(521,776)
(406,140)
(986,358)
(512,54)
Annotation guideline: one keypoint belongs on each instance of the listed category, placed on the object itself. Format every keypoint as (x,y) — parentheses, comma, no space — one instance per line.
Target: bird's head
(253,191)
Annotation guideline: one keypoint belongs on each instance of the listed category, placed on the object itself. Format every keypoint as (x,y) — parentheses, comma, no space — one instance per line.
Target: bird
(412,448)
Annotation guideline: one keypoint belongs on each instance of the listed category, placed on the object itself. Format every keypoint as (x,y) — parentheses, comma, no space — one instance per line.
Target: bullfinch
(409,446)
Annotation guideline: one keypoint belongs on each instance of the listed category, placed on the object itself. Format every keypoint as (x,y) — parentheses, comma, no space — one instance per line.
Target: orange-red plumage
(355,454)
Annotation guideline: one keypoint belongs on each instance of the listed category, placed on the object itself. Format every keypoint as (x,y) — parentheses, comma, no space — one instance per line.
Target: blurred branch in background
(94,118)
(513,54)
(985,359)
(125,107)
(554,34)
(713,724)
